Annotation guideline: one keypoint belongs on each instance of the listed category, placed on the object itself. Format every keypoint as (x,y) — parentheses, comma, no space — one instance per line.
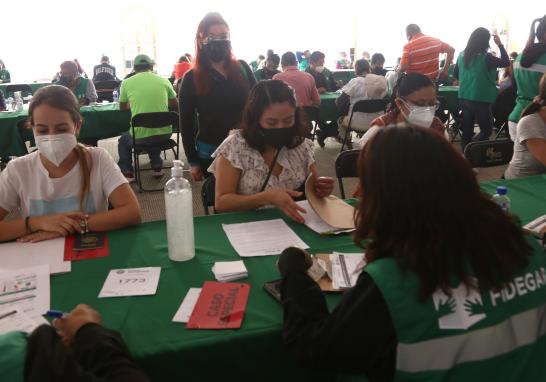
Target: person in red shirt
(420,54)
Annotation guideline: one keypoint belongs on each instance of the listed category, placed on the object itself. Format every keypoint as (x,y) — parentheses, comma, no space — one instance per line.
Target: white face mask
(55,147)
(319,69)
(421,116)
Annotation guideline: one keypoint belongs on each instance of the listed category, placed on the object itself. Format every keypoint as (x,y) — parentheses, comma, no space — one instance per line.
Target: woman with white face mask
(64,187)
(413,103)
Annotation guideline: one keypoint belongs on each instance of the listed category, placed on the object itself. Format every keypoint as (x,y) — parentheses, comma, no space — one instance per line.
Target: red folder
(220,306)
(71,255)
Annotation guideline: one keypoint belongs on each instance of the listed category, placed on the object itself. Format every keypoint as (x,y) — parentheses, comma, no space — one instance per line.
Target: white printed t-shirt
(25,183)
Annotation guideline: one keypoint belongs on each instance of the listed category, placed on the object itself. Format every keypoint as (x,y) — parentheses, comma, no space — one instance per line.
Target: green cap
(143,59)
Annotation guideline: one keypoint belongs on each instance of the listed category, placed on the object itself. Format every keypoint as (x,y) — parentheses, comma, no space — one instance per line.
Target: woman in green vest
(476,71)
(76,348)
(452,290)
(529,66)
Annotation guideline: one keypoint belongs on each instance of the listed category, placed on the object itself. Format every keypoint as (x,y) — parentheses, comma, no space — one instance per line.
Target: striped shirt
(420,55)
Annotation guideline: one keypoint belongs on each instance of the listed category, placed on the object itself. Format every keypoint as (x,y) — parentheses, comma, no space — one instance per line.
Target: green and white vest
(477,82)
(473,335)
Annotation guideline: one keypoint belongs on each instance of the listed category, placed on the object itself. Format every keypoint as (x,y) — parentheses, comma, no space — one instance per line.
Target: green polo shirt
(147,92)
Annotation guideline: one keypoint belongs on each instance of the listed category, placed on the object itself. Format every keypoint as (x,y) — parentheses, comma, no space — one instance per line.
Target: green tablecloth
(34,86)
(99,122)
(167,351)
(328,108)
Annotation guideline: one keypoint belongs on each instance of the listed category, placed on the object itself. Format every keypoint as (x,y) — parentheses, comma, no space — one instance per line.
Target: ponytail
(85,164)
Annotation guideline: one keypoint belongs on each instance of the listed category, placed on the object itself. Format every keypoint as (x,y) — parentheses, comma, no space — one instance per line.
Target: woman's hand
(282,198)
(324,186)
(64,224)
(70,323)
(196,173)
(38,236)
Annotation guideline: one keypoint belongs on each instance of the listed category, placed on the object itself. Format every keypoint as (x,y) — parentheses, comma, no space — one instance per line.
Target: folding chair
(154,121)
(364,106)
(208,194)
(489,153)
(105,90)
(312,115)
(346,167)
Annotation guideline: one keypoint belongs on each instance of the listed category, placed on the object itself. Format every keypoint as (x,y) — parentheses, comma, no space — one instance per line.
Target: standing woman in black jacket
(215,89)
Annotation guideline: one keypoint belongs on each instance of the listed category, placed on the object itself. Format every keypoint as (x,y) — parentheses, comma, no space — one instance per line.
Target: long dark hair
(533,51)
(477,43)
(61,98)
(540,99)
(263,95)
(422,206)
(406,85)
(201,63)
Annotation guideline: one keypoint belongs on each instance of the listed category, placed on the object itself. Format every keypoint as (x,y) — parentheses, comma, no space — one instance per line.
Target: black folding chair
(312,116)
(105,90)
(364,106)
(154,121)
(25,90)
(346,167)
(489,153)
(208,194)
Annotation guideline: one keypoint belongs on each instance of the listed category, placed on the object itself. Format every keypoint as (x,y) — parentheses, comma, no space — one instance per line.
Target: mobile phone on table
(274,289)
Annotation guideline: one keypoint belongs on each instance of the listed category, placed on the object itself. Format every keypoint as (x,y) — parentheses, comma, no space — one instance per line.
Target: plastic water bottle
(179,213)
(115,95)
(502,199)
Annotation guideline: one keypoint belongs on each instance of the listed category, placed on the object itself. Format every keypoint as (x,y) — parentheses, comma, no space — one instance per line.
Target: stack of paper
(345,269)
(229,270)
(17,320)
(262,238)
(315,222)
(15,255)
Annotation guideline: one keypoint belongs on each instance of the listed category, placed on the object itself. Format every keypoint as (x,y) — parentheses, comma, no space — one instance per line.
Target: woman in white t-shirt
(266,161)
(64,187)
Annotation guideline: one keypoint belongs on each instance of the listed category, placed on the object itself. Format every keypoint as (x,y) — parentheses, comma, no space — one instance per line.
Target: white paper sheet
(26,289)
(131,282)
(262,238)
(16,320)
(16,255)
(346,268)
(188,304)
(313,221)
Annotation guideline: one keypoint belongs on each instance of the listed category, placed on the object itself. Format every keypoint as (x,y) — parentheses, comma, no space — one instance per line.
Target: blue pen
(55,313)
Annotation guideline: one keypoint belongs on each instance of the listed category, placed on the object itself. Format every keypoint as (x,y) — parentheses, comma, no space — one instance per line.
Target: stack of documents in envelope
(229,270)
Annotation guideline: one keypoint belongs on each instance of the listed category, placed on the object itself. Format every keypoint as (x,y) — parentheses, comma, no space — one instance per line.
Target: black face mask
(277,137)
(217,50)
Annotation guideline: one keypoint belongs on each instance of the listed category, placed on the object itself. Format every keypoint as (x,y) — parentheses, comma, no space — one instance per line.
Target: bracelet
(84,225)
(27,225)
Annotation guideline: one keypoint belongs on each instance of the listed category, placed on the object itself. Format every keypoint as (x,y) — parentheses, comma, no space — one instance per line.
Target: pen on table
(55,313)
(8,314)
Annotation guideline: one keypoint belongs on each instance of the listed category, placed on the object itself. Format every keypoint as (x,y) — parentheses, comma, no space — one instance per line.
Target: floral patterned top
(295,164)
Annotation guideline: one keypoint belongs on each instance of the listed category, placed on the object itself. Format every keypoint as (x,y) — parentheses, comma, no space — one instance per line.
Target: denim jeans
(125,145)
(475,111)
